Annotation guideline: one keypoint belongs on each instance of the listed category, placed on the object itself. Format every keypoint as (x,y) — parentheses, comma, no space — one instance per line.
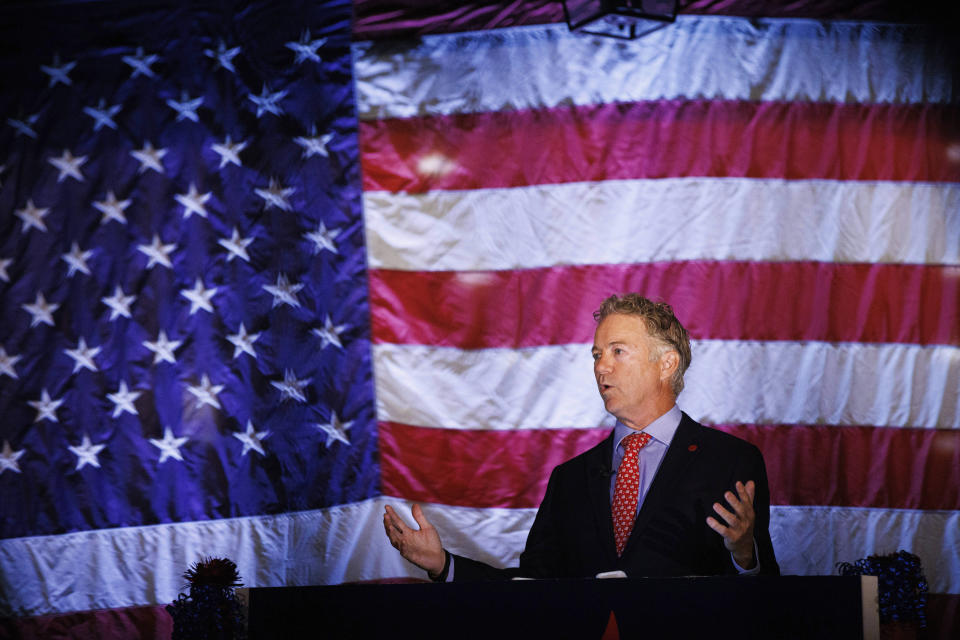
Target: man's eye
(618,351)
(596,356)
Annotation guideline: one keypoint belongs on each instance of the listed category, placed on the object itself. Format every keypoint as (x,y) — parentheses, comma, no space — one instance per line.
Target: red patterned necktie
(626,488)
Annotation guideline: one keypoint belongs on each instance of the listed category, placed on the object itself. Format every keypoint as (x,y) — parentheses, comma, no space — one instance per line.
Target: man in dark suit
(684,499)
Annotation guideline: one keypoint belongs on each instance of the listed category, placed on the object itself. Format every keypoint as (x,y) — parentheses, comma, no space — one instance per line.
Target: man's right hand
(421,546)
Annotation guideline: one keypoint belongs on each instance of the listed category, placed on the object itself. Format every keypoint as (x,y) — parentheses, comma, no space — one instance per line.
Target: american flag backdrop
(185,365)
(265,267)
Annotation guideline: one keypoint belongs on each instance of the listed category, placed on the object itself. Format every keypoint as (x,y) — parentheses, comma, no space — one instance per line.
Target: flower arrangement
(901,584)
(211,610)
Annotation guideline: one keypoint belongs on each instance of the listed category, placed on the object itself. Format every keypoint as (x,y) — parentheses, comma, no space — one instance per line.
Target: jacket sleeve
(752,467)
(540,556)
(761,527)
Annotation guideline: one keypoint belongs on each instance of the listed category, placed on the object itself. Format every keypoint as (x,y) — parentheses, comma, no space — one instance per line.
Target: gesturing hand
(737,526)
(421,546)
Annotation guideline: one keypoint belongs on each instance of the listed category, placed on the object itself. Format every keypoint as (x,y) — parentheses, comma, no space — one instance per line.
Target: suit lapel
(598,490)
(680,455)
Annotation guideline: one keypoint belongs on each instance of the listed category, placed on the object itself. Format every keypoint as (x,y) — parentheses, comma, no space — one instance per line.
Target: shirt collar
(662,429)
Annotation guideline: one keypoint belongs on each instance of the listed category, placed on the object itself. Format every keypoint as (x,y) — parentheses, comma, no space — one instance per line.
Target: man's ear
(669,362)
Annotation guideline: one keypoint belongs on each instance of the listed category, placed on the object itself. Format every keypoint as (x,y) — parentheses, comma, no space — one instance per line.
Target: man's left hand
(736,526)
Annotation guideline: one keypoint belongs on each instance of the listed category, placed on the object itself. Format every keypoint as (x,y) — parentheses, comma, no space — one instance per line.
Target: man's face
(634,388)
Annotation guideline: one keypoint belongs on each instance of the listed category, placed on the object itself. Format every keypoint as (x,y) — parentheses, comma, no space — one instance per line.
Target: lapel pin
(692,447)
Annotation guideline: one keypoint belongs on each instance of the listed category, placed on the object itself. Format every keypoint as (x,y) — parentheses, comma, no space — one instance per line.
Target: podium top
(715,607)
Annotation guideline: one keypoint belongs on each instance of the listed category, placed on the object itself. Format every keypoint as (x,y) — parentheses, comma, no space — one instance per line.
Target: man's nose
(601,364)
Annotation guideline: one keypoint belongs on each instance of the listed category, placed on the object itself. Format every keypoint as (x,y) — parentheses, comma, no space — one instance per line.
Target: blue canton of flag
(184,322)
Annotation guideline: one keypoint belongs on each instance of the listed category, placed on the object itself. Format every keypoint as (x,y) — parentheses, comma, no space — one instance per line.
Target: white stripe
(492,535)
(811,541)
(729,381)
(829,535)
(140,566)
(136,566)
(708,57)
(629,221)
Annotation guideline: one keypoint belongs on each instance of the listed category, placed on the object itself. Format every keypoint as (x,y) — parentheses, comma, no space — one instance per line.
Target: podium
(708,607)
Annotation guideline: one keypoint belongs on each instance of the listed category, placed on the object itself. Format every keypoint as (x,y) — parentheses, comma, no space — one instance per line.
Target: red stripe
(831,302)
(877,467)
(388,19)
(129,622)
(872,10)
(475,468)
(663,139)
(859,466)
(380,19)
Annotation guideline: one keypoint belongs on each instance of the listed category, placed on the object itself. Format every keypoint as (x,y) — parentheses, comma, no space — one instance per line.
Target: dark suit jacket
(572,535)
